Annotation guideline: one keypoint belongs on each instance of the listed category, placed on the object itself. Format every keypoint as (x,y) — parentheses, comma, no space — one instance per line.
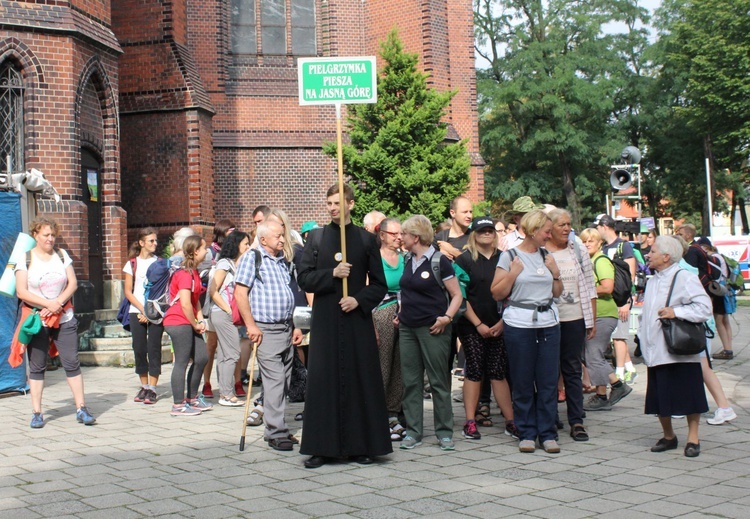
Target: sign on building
(337,80)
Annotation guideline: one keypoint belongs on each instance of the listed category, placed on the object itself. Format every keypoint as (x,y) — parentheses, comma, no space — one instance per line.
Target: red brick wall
(154,164)
(294,180)
(59,112)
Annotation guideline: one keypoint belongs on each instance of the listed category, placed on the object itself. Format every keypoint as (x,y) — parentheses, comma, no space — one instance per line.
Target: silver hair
(557,213)
(264,229)
(371,216)
(670,246)
(178,238)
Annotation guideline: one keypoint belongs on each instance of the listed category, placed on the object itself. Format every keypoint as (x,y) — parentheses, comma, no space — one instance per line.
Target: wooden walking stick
(249,393)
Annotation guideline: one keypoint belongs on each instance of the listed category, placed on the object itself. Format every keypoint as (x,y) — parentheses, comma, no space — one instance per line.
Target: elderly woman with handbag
(675,380)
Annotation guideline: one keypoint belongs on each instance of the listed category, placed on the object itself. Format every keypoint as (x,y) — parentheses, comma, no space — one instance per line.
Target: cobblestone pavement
(139,461)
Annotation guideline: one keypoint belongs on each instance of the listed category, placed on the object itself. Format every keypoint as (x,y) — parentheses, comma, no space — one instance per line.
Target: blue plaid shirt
(271,298)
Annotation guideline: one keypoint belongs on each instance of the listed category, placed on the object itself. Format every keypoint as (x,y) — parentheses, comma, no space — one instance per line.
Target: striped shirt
(271,298)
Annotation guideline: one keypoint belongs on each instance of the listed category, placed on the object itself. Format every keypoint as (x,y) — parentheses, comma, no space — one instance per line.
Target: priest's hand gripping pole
(342,201)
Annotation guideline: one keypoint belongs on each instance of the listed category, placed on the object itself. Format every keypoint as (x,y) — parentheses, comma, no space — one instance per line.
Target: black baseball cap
(605,220)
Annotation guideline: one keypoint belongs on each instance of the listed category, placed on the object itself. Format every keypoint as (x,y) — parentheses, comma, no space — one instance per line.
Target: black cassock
(345,412)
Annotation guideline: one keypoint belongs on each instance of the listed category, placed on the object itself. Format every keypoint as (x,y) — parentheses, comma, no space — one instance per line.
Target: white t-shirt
(533,286)
(569,302)
(227,286)
(48,279)
(139,288)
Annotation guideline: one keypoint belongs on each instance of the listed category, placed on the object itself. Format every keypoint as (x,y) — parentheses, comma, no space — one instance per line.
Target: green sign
(325,81)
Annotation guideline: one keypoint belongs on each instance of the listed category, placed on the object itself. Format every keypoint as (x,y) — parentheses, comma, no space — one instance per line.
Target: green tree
(398,158)
(700,107)
(551,97)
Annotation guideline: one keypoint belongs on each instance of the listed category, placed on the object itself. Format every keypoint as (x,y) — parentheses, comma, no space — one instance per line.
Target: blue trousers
(534,360)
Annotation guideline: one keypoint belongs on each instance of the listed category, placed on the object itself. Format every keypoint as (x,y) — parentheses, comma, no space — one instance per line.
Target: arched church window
(11,119)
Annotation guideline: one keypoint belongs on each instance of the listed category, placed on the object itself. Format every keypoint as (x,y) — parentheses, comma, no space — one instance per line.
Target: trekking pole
(249,393)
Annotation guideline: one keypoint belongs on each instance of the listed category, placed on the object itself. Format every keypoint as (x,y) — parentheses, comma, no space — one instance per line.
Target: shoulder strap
(435,265)
(28,257)
(671,287)
(133,264)
(513,254)
(258,261)
(577,250)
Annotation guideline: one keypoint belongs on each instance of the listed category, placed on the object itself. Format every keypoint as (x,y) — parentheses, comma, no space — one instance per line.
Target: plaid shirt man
(271,298)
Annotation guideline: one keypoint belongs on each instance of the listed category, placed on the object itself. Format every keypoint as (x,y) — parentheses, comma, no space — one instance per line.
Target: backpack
(713,271)
(735,279)
(623,289)
(461,276)
(158,278)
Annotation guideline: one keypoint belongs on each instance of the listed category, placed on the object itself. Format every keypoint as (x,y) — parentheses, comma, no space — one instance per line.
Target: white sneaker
(721,416)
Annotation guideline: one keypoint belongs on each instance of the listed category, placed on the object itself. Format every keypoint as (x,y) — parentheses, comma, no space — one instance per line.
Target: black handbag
(684,337)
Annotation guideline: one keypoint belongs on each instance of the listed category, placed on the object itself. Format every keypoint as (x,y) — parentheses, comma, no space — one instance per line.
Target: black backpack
(623,282)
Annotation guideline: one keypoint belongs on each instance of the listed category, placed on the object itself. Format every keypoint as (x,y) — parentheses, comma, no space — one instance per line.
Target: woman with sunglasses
(146,335)
(387,336)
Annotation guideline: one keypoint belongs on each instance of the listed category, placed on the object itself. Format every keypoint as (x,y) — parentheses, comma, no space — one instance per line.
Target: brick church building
(169,113)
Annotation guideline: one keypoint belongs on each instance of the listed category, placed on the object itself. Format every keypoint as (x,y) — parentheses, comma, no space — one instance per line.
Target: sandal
(397,431)
(280,444)
(255,418)
(483,416)
(578,433)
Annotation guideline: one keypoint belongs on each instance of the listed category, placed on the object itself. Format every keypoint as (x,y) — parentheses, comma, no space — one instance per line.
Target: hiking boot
(83,416)
(141,395)
(618,393)
(150,397)
(200,404)
(594,403)
(184,409)
(630,377)
(470,431)
(410,442)
(447,444)
(37,421)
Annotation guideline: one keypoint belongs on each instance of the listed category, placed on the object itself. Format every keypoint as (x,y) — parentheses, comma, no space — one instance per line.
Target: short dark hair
(262,209)
(348,192)
(230,249)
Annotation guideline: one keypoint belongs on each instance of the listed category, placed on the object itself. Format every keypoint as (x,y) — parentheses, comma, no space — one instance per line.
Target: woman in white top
(675,382)
(528,278)
(46,282)
(146,335)
(221,290)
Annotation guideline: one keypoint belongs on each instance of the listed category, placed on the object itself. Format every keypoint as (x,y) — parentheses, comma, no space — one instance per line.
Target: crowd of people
(520,307)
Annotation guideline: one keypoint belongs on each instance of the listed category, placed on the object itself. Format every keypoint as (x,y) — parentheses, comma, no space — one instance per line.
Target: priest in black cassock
(345,411)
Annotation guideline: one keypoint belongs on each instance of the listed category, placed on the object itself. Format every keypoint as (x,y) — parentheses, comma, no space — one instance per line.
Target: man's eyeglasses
(394,234)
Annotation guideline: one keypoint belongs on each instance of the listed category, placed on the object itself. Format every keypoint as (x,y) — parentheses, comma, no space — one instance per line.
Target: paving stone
(323,509)
(427,506)
(160,507)
(114,500)
(367,501)
(60,508)
(560,512)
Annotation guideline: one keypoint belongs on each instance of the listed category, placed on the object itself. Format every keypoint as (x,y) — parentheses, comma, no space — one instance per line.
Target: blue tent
(10,214)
